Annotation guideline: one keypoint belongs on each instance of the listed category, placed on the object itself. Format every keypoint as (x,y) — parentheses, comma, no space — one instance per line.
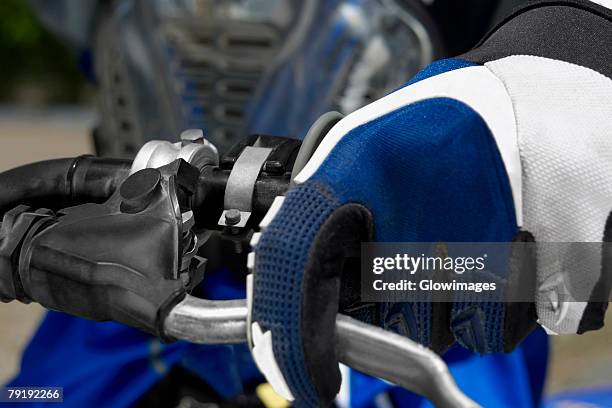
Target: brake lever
(364,347)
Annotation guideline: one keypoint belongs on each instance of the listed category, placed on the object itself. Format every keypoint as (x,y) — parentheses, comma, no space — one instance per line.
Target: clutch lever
(361,346)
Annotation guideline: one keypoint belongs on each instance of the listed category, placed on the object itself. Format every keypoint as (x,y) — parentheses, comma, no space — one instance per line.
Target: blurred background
(48,110)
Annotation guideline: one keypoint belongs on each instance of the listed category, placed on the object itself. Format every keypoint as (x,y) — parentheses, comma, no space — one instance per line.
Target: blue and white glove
(511,141)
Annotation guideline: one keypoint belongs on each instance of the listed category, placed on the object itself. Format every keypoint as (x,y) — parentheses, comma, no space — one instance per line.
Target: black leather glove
(130,259)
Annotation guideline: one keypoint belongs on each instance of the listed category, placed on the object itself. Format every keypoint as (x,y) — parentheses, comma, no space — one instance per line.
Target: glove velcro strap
(338,237)
(499,326)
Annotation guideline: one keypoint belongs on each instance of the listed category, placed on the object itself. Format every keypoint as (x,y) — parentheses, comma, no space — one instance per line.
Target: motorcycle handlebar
(66,182)
(364,347)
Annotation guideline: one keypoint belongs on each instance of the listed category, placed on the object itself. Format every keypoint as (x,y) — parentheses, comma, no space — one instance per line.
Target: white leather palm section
(564,123)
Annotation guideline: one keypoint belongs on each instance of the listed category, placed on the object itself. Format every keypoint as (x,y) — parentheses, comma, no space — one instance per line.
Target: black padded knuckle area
(340,236)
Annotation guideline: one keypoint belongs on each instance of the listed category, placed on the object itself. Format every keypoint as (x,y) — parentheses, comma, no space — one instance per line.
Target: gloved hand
(130,259)
(508,142)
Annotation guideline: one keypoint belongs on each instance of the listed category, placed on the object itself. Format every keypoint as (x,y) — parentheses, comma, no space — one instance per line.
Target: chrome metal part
(192,136)
(187,220)
(241,181)
(364,347)
(244,217)
(207,321)
(192,148)
(399,360)
(232,217)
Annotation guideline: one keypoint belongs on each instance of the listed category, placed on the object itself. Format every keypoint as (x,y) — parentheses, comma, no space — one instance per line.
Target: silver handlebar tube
(399,360)
(364,347)
(208,321)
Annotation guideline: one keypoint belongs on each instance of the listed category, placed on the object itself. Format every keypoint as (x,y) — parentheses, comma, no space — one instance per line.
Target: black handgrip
(116,270)
(60,183)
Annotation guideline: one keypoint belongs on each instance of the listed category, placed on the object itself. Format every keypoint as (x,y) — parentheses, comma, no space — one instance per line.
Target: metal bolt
(232,217)
(192,136)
